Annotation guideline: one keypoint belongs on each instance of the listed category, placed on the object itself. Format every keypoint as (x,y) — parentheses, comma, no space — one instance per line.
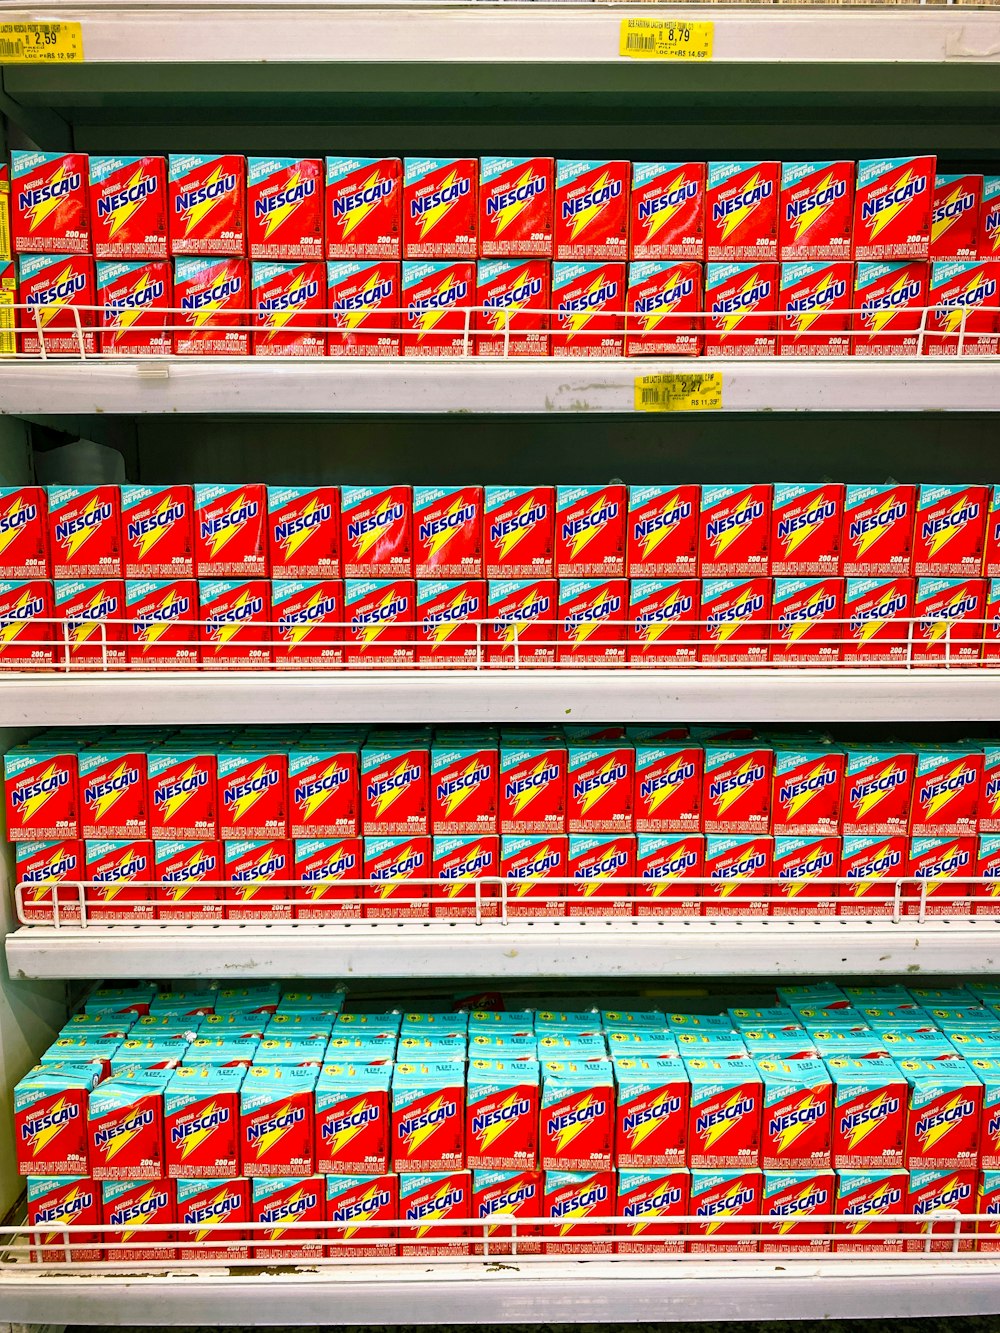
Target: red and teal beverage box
(379,619)
(806,526)
(950,620)
(893,208)
(181,869)
(667,214)
(742,211)
(285,208)
(253,791)
(120,880)
(987,1069)
(427,1199)
(323,864)
(51,1135)
(440,207)
(157,532)
(600,783)
(283,1199)
(464,789)
(814,305)
(250,867)
(42,792)
(934,864)
(955,219)
(458,865)
(663,625)
(201,1122)
(888,301)
(800,866)
(989,791)
(135,299)
(377,538)
(652,1112)
(513,298)
(289,306)
(91,616)
(211,296)
(128,207)
(875,866)
(507,1194)
(354,1199)
(41,868)
(791,1197)
(665,865)
(662,534)
(519,532)
(808,790)
(449,632)
(663,305)
(965,319)
(277,1120)
(49,212)
(735,531)
(363,208)
(733,865)
(235,619)
(428,1116)
(988,1203)
(204,1204)
(988,234)
(577,1115)
(448,532)
(718,1196)
(113,792)
(869,1112)
(308,623)
(516,205)
(533,796)
(596,865)
(27,634)
(57,290)
(991,551)
(132,1205)
(936,1190)
(950,531)
(230,538)
(521,630)
(741,303)
(63,1201)
(944,1114)
(592,209)
(737,790)
(85,532)
(323,791)
(353,1118)
(529,864)
(438,299)
(879,530)
(501,1115)
(125,1125)
(303,529)
(588,300)
(207,204)
(391,864)
(24,532)
(395,789)
(797,1121)
(183,793)
(807,614)
(816,208)
(648,1199)
(592,621)
(946,791)
(590,531)
(363,301)
(877,620)
(725,1123)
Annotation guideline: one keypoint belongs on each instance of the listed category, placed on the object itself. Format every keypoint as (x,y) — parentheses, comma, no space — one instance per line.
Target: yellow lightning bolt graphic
(124,211)
(934,884)
(939,624)
(267,1141)
(369,633)
(882,220)
(277,319)
(725,539)
(123,317)
(353,319)
(525,797)
(941,799)
(795,539)
(118,1143)
(501,317)
(81,630)
(734,793)
(344,1136)
(650,321)
(228,629)
(506,215)
(521,887)
(194,214)
(811,215)
(566,1135)
(67,1216)
(111,888)
(319,797)
(454,799)
(453,887)
(797,628)
(423,1132)
(868,539)
(248,888)
(41,889)
(738,215)
(386,798)
(434,215)
(667,788)
(284,211)
(13,627)
(715,1132)
(652,631)
(148,633)
(586,215)
(104,803)
(297,633)
(173,803)
(790,1133)
(804,319)
(936,1132)
(509,628)
(954,316)
(581,1210)
(275,1232)
(642,1132)
(294,540)
(880,318)
(492,1132)
(387,886)
(127,1235)
(940,225)
(365,1198)
(149,539)
(180,888)
(83,533)
(199,1135)
(34,803)
(426,320)
(7,537)
(445,628)
(509,540)
(243,804)
(590,798)
(224,535)
(944,535)
(662,216)
(785,1227)
(203,315)
(580,318)
(801,799)
(857,1133)
(367,539)
(652,539)
(40,211)
(582,538)
(221,1197)
(435,1213)
(354,217)
(45,1136)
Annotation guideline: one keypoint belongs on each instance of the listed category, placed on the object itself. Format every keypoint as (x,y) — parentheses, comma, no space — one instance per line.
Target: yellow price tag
(41,43)
(694,391)
(666,39)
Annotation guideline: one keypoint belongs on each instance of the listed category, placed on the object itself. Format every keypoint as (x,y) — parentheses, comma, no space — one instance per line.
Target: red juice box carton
(363,208)
(501,1114)
(893,208)
(648,1199)
(395,789)
(201,1110)
(125,1119)
(363,299)
(989,792)
(965,319)
(41,868)
(62,1201)
(323,864)
(253,792)
(667,213)
(950,614)
(85,532)
(128,207)
(230,531)
(991,551)
(814,305)
(211,295)
(987,1070)
(438,297)
(878,530)
(277,1120)
(592,209)
(877,619)
(379,619)
(519,532)
(950,535)
(135,298)
(737,790)
(808,790)
(27,634)
(49,203)
(289,308)
(183,793)
(427,1199)
(577,1115)
(428,1116)
(450,632)
(600,782)
(323,790)
(888,303)
(664,620)
(791,1197)
(458,864)
(440,207)
(249,867)
(652,1113)
(353,1199)
(283,1199)
(448,532)
(944,1114)
(807,616)
(157,532)
(816,211)
(521,629)
(285,208)
(24,532)
(724,1130)
(869,1112)
(207,204)
(529,864)
(91,615)
(946,791)
(988,234)
(51,1136)
(933,1191)
(955,219)
(596,865)
(513,297)
(806,526)
(55,289)
(665,865)
(991,630)
(797,1122)
(235,615)
(735,531)
(800,866)
(516,204)
(588,301)
(303,531)
(735,620)
(391,864)
(132,1205)
(657,295)
(988,1203)
(465,789)
(119,880)
(719,1196)
(590,531)
(202,1205)
(874,866)
(733,865)
(507,1194)
(662,533)
(934,863)
(181,869)
(113,793)
(377,531)
(742,210)
(42,792)
(352,1117)
(308,628)
(533,796)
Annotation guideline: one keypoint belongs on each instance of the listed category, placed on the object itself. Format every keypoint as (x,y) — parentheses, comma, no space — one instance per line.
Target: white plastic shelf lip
(520,948)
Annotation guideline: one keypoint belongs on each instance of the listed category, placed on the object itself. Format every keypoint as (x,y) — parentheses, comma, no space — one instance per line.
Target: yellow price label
(41,43)
(681,391)
(666,39)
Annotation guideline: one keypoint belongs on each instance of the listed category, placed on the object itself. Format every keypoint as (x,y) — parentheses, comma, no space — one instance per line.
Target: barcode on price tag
(40,43)
(666,39)
(679,392)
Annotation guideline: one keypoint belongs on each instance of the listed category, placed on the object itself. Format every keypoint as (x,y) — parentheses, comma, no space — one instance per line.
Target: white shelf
(407,385)
(522,948)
